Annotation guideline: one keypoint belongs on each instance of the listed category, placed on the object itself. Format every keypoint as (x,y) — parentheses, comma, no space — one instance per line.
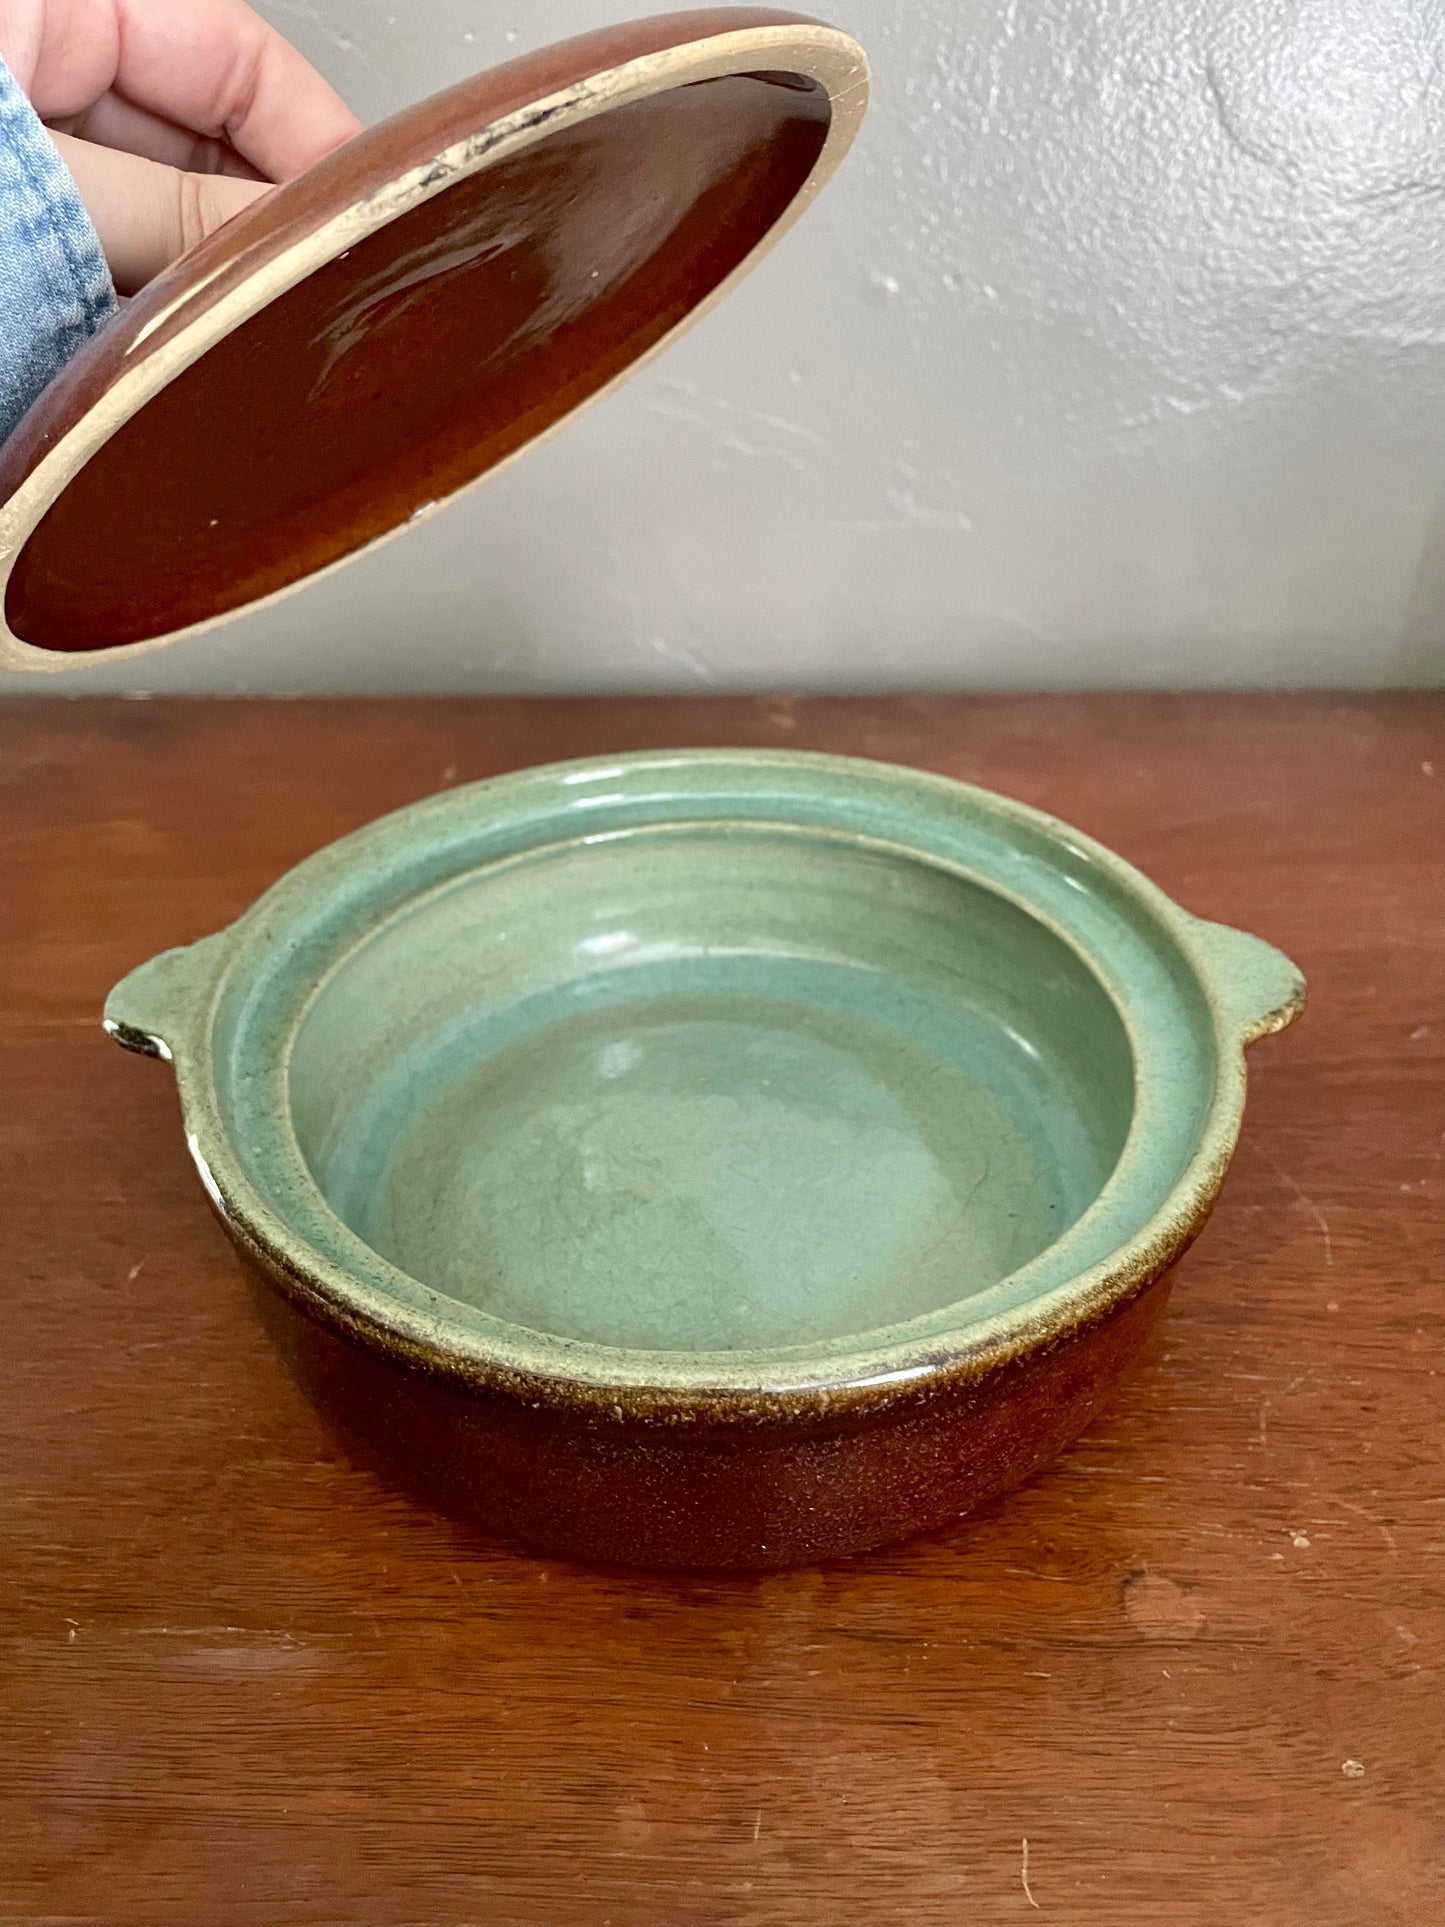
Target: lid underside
(336,371)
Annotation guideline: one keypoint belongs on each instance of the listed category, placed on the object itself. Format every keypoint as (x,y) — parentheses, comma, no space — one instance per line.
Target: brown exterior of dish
(811,1482)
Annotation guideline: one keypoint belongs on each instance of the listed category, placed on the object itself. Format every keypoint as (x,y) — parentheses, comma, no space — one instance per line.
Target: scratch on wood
(1307,1201)
(1369,1517)
(1024,1876)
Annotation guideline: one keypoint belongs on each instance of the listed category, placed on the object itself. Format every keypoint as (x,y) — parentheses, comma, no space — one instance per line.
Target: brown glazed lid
(405,317)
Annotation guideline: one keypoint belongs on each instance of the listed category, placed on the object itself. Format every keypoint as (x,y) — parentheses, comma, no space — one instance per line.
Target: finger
(148,215)
(212,67)
(113,122)
(218,68)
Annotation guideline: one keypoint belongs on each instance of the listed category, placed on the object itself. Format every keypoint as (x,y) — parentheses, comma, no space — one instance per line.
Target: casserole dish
(711,1159)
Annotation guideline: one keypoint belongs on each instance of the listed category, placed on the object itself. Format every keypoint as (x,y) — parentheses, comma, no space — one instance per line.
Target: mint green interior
(710,1086)
(709,1068)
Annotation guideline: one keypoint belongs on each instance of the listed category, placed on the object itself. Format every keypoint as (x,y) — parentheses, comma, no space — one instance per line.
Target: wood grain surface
(1190,1676)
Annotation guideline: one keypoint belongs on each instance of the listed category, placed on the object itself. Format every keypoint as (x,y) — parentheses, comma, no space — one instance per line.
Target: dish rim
(168,1007)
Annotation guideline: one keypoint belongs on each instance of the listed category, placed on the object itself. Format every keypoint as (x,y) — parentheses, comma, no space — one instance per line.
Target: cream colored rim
(822,54)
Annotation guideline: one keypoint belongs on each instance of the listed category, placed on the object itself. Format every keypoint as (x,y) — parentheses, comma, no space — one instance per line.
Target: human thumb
(147,215)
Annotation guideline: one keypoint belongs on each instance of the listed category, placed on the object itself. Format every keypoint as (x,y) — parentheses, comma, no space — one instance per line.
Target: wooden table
(1191,1676)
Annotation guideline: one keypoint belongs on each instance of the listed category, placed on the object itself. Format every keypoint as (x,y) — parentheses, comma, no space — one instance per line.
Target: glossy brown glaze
(437,347)
(395,322)
(247,1684)
(622,1490)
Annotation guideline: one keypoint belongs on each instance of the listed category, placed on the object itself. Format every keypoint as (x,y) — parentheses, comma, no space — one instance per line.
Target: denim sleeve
(55,289)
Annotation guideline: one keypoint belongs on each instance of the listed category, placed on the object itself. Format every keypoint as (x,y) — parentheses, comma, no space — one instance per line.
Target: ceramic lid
(405,317)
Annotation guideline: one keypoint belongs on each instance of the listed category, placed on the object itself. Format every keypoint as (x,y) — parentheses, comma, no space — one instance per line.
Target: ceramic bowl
(711,1159)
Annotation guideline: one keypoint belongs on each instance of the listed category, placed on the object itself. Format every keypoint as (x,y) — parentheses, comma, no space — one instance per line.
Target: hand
(172,115)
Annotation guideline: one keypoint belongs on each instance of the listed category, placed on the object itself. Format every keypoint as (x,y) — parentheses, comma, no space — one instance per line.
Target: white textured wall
(1115,355)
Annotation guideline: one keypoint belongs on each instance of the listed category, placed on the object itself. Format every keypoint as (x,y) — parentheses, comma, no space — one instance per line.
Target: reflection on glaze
(392,293)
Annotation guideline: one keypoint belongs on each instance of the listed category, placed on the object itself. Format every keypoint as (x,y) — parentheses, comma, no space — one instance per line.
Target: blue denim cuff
(55,289)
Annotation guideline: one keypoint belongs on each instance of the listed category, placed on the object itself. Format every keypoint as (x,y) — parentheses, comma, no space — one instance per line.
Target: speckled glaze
(711,1159)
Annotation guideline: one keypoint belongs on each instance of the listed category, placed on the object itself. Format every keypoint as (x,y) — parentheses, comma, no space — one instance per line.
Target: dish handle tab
(1261,988)
(154,1009)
